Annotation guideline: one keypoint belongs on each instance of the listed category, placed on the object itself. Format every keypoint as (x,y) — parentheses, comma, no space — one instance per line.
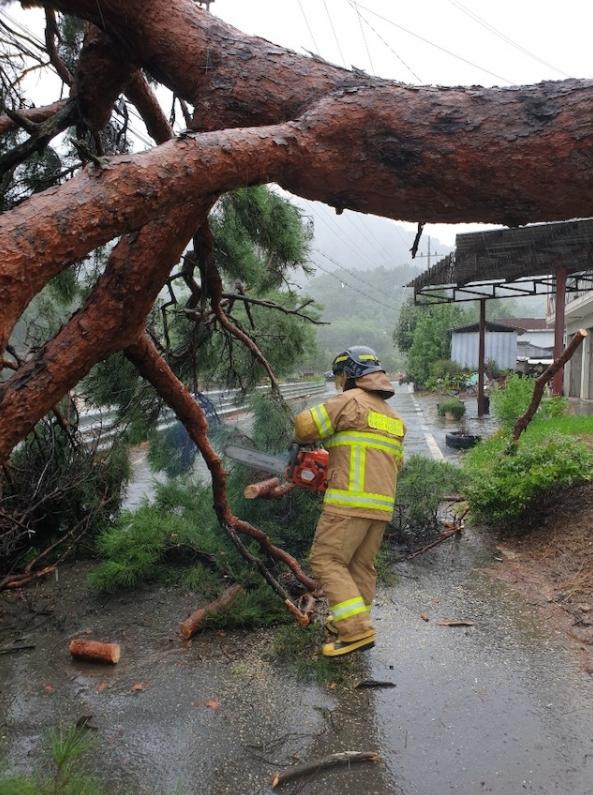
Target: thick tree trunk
(59,226)
(442,155)
(112,318)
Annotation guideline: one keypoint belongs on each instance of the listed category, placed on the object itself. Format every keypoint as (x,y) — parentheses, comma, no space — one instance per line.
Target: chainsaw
(301,466)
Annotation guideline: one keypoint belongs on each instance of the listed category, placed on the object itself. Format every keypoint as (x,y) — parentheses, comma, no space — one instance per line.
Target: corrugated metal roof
(509,254)
(526,323)
(490,326)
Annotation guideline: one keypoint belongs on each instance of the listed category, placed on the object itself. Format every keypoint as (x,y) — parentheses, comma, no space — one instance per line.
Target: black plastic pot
(461,441)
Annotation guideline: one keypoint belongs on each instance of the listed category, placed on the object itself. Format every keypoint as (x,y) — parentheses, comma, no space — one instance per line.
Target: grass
(300,648)
(573,425)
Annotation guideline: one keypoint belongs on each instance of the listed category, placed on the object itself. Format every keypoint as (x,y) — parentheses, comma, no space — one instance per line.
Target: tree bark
(35,115)
(95,651)
(112,318)
(193,623)
(53,229)
(447,155)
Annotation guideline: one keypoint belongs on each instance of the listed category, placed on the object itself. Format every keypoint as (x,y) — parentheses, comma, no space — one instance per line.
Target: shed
(500,345)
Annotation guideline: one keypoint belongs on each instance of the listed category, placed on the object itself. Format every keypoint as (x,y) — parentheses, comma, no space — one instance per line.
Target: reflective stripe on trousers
(348,608)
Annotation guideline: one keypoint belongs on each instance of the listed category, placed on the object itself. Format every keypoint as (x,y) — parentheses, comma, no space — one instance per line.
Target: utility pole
(428,252)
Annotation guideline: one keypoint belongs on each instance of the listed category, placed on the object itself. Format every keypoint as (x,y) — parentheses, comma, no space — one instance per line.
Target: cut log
(95,651)
(343,758)
(271,489)
(194,622)
(261,489)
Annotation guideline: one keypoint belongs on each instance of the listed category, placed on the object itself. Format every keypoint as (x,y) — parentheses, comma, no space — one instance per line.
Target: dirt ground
(552,565)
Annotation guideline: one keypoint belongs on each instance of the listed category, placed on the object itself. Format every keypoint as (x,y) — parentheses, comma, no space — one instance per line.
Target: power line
(346,284)
(331,24)
(317,50)
(379,247)
(507,39)
(431,43)
(351,273)
(341,235)
(386,43)
(364,38)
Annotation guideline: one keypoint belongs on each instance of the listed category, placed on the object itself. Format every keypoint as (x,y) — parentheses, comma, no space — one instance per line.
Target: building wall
(543,339)
(501,346)
(578,373)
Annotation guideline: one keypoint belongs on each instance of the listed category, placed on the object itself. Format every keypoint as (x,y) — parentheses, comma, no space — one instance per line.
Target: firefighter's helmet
(356,362)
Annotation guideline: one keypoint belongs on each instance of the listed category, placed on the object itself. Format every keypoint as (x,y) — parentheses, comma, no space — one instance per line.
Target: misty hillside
(362,308)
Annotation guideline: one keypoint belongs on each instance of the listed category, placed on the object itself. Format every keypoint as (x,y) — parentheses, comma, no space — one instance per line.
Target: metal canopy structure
(511,263)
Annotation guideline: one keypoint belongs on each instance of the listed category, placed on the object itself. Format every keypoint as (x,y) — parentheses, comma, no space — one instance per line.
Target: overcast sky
(532,40)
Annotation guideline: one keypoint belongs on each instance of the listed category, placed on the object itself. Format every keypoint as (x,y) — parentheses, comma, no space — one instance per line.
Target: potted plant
(452,409)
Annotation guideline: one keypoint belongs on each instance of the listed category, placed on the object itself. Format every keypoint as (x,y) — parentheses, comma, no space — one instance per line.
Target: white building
(500,345)
(578,373)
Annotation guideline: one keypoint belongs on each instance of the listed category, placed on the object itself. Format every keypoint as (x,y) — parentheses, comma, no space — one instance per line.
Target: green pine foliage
(64,773)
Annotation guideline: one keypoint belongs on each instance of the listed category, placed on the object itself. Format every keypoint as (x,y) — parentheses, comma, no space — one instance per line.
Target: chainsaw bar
(275,465)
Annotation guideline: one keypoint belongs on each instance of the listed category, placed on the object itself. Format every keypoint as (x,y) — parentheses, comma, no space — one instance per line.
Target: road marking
(431,442)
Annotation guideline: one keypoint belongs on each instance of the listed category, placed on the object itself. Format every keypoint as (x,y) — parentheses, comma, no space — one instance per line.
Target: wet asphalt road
(497,707)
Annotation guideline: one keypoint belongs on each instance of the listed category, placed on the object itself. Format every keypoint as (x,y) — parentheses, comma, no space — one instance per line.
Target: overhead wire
(336,39)
(364,38)
(507,39)
(309,28)
(431,43)
(346,284)
(351,273)
(385,42)
(341,234)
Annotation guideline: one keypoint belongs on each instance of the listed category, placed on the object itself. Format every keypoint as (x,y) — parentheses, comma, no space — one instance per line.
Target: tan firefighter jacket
(364,437)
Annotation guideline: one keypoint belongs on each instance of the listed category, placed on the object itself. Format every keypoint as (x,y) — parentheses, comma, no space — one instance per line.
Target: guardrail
(226,403)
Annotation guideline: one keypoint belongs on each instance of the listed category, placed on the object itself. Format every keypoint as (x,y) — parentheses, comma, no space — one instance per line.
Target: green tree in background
(432,340)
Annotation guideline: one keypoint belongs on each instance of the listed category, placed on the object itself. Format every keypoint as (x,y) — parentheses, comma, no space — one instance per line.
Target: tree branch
(41,134)
(142,96)
(144,355)
(51,34)
(271,305)
(112,317)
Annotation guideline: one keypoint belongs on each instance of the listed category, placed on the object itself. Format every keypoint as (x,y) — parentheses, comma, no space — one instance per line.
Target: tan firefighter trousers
(342,558)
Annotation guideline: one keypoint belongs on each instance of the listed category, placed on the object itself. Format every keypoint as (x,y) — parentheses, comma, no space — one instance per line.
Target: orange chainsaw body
(309,469)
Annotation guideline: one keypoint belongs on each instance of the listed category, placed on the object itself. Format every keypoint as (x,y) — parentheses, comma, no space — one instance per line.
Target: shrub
(454,407)
(503,487)
(444,368)
(510,401)
(421,486)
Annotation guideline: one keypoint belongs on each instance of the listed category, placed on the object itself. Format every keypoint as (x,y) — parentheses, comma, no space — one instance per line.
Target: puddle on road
(164,739)
(498,707)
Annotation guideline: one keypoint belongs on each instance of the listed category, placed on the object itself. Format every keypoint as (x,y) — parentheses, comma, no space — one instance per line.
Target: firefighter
(364,437)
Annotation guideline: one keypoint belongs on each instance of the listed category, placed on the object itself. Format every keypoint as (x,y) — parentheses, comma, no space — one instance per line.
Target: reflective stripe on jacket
(364,436)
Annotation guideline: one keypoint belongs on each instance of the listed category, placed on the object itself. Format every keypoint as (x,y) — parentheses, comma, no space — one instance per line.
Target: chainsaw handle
(293,454)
